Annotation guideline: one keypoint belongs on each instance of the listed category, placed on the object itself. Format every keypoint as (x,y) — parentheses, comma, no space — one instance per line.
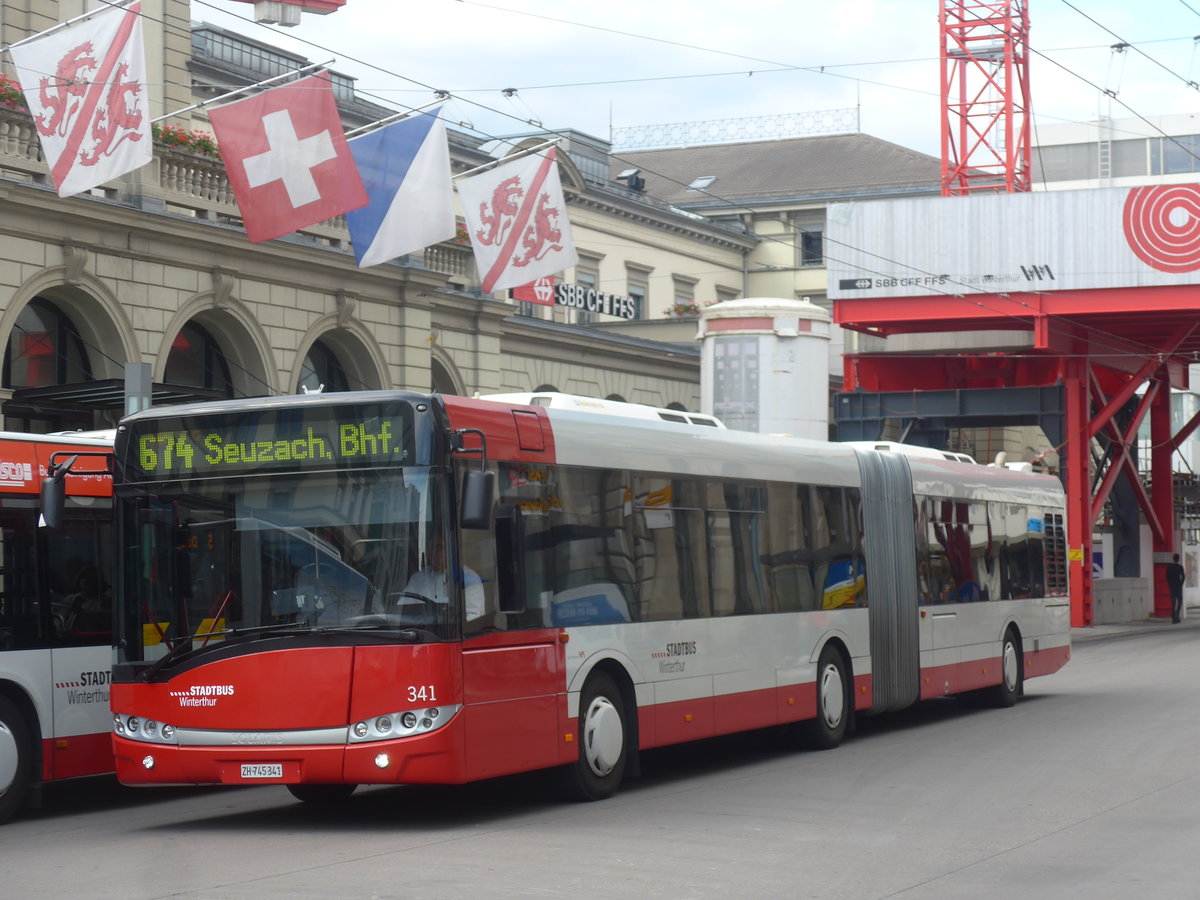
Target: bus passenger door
(76,575)
(513,664)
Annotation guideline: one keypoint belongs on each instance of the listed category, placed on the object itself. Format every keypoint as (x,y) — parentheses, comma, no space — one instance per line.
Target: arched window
(545,389)
(617,397)
(322,367)
(443,380)
(45,349)
(196,360)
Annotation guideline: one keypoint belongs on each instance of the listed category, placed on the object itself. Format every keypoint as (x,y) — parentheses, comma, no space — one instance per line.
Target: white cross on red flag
(517,219)
(90,113)
(287,158)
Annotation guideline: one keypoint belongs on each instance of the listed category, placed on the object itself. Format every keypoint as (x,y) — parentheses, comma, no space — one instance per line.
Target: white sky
(644,62)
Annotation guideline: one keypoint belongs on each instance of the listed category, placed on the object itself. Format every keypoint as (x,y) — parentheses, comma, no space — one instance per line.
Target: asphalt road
(1087,788)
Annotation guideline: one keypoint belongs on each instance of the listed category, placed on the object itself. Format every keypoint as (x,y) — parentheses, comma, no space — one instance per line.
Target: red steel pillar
(1162,495)
(1077,462)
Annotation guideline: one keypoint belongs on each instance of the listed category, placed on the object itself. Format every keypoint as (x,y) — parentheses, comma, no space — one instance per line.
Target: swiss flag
(287,158)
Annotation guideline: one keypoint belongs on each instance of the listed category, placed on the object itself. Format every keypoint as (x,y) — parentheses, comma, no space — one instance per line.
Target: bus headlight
(406,723)
(146,730)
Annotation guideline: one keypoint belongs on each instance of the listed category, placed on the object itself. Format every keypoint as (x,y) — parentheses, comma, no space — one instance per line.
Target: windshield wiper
(185,645)
(177,650)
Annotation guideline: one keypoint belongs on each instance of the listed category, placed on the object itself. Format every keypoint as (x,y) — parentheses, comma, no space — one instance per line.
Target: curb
(1128,629)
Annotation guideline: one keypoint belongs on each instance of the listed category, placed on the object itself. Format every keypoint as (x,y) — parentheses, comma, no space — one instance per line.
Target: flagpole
(61,25)
(387,120)
(242,90)
(515,156)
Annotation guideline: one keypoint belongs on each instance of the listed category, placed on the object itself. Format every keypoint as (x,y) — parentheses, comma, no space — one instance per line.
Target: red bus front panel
(316,714)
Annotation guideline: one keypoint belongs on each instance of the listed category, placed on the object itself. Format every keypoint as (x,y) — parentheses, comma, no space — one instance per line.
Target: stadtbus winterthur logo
(1162,226)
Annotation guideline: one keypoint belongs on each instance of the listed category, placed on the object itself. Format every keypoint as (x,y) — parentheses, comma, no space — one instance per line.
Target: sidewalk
(1191,622)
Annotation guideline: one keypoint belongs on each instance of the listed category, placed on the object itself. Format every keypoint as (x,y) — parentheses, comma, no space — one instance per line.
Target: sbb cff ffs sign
(576,296)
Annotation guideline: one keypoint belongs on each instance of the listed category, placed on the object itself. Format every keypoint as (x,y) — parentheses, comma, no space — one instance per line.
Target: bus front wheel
(16,759)
(602,738)
(321,794)
(833,703)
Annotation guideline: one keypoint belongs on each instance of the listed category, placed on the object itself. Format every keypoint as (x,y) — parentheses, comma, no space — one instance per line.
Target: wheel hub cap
(1010,666)
(833,696)
(8,758)
(603,736)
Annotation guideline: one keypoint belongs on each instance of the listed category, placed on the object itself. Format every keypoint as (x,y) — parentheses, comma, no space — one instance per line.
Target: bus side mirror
(510,559)
(478,490)
(54,494)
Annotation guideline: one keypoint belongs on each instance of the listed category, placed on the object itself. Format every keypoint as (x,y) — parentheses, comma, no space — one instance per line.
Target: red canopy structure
(1098,292)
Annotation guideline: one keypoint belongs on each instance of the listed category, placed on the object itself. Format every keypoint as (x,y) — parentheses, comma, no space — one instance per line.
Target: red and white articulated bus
(366,588)
(55,616)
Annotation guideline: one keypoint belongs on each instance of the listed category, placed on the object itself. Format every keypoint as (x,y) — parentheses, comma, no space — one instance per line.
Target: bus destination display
(287,440)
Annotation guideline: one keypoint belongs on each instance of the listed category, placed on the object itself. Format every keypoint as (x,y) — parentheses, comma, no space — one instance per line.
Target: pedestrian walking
(1175,585)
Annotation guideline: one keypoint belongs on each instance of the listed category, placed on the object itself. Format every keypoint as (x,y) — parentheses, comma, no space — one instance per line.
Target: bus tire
(322,794)
(16,759)
(1012,674)
(603,742)
(827,730)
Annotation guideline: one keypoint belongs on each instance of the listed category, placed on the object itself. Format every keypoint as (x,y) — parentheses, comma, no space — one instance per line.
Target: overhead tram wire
(822,69)
(732,205)
(1126,44)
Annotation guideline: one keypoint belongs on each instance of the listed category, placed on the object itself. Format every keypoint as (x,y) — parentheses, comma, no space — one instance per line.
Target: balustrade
(196,185)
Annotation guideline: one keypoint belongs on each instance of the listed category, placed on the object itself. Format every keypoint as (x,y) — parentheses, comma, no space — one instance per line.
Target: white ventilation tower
(765,366)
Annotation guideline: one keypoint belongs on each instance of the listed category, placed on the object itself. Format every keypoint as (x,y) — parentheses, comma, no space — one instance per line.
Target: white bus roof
(555,400)
(910,450)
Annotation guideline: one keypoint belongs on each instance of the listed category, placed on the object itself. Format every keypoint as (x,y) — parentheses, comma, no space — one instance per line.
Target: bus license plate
(262,770)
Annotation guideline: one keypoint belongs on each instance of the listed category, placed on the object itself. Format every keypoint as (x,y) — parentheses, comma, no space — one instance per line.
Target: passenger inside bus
(89,608)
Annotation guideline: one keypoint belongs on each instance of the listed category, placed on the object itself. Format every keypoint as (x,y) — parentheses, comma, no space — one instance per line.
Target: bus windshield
(217,561)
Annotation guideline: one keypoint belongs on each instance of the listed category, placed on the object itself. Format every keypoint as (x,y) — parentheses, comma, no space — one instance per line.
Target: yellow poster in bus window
(844,581)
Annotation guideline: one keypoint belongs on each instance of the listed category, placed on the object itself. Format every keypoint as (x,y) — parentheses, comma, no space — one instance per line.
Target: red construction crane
(985,96)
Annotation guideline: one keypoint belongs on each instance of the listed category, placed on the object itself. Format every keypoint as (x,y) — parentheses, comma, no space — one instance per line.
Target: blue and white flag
(405,168)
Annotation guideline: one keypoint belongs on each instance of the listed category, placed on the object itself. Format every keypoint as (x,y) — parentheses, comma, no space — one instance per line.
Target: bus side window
(591,544)
(786,558)
(735,534)
(531,489)
(670,548)
(22,621)
(79,580)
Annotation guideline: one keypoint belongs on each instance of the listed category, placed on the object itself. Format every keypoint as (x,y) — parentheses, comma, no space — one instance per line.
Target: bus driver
(430,581)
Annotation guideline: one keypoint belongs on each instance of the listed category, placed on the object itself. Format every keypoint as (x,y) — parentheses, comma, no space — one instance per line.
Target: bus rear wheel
(321,794)
(602,738)
(828,729)
(1012,674)
(16,759)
